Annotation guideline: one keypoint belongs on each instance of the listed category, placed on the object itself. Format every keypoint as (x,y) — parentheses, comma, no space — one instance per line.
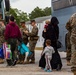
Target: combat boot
(1,61)
(32,62)
(68,63)
(74,72)
(18,62)
(27,62)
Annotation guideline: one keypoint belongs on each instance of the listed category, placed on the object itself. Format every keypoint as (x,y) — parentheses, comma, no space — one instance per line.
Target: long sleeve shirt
(49,50)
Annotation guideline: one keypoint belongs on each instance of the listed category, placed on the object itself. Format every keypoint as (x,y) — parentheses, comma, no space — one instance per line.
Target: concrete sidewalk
(33,69)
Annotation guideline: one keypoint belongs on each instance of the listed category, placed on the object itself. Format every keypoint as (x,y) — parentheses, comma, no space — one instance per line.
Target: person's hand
(2,24)
(44,30)
(41,53)
(6,43)
(26,32)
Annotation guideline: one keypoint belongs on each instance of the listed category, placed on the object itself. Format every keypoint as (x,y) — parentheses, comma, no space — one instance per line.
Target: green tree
(19,15)
(47,11)
(38,12)
(14,13)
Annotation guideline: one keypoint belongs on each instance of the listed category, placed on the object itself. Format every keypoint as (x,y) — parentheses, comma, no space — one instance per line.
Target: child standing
(48,51)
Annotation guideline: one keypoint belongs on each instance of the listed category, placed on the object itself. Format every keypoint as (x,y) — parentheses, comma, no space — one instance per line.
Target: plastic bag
(1,53)
(7,51)
(23,48)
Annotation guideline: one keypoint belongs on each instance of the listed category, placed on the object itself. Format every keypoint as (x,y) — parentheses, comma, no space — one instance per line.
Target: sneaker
(49,71)
(45,69)
(74,72)
(68,63)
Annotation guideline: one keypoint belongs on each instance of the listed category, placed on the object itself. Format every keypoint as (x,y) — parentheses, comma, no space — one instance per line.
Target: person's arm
(53,51)
(57,31)
(27,30)
(44,51)
(33,33)
(44,34)
(19,35)
(73,35)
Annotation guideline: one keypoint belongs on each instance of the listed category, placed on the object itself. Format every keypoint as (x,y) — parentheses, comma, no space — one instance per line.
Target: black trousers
(13,43)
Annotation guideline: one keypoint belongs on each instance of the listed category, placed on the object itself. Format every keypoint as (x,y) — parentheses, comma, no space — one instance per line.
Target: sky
(29,5)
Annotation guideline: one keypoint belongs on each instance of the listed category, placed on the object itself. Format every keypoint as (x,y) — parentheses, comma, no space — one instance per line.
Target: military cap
(22,21)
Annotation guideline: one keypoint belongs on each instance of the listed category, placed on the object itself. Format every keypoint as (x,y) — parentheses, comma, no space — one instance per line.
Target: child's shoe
(49,71)
(45,69)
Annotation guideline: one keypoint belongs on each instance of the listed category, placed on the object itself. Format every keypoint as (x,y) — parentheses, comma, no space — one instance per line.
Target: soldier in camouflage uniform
(68,44)
(24,36)
(24,39)
(33,35)
(2,29)
(72,22)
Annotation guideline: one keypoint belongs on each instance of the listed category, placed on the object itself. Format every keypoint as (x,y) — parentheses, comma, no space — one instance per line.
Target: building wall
(63,16)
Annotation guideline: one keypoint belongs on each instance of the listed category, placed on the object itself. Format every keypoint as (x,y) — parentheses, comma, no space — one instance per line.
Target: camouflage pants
(68,54)
(68,46)
(32,45)
(21,57)
(73,57)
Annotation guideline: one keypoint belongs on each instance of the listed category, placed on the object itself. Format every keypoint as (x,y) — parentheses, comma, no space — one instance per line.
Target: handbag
(59,44)
(1,53)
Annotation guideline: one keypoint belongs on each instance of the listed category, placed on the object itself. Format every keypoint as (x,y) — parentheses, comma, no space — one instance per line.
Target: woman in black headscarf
(52,33)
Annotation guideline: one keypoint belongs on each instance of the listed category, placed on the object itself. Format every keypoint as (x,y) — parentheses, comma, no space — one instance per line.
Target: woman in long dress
(52,33)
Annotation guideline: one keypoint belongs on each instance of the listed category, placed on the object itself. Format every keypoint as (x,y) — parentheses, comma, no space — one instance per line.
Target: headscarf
(54,21)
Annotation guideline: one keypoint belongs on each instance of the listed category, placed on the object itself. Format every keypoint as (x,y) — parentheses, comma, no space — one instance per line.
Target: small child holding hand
(48,51)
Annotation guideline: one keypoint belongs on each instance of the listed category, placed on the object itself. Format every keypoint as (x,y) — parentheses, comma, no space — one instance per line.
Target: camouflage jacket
(33,33)
(2,29)
(73,35)
(73,28)
(23,34)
